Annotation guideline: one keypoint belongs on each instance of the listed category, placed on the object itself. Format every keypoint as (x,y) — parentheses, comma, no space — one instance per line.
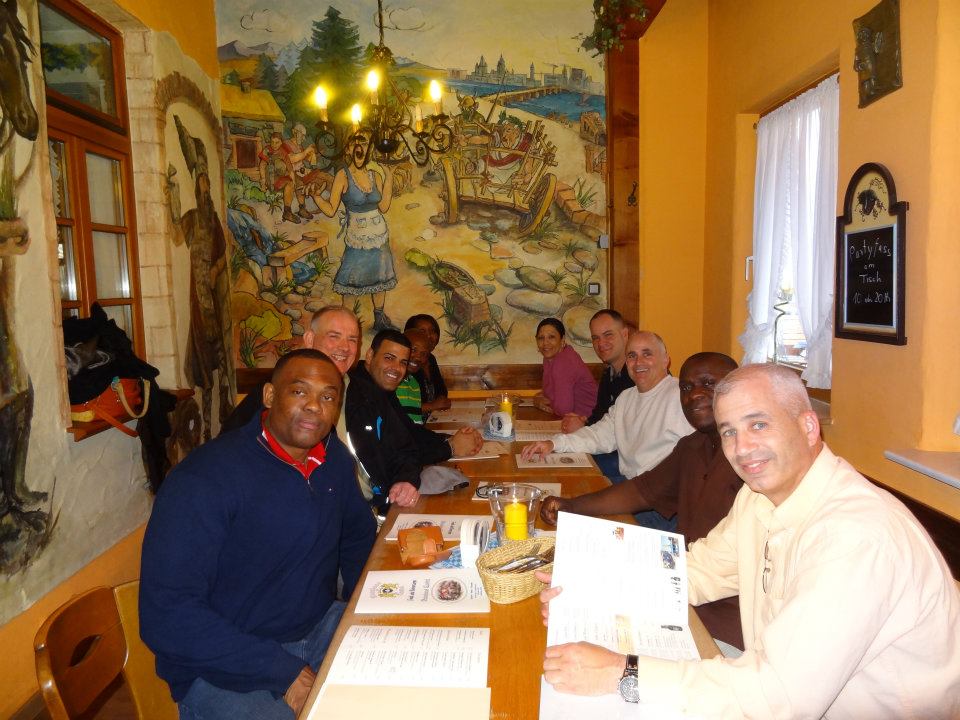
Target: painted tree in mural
(334,57)
(24,526)
(266,74)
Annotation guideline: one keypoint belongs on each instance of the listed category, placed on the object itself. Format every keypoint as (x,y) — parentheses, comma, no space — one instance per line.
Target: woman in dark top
(433,391)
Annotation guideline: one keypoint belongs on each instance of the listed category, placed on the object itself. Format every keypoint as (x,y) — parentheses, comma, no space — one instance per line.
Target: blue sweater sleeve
(180,548)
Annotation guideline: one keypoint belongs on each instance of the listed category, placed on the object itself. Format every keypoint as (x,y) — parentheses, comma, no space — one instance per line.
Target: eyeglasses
(767,567)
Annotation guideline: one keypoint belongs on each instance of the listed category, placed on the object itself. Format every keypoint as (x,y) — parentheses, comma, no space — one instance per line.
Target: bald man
(334,331)
(643,425)
(848,609)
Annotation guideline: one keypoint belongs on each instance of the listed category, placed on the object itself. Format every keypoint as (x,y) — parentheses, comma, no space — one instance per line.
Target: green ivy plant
(610,23)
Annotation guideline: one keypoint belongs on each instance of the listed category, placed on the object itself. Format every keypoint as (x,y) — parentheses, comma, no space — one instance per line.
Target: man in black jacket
(391,447)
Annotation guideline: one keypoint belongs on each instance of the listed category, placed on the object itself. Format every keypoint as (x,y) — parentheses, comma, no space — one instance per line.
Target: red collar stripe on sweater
(315,457)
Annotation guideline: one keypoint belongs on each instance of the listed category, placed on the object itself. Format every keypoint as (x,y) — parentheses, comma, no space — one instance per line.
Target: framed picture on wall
(871,235)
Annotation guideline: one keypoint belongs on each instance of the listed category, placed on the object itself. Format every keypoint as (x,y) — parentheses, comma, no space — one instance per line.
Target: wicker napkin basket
(506,588)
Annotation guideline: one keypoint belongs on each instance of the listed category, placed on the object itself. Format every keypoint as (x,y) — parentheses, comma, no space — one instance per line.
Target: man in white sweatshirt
(644,423)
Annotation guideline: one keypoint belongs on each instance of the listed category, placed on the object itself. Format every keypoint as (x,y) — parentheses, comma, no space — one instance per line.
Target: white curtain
(794,221)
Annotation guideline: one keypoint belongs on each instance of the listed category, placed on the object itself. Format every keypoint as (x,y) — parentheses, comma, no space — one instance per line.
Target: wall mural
(495,235)
(25,523)
(208,357)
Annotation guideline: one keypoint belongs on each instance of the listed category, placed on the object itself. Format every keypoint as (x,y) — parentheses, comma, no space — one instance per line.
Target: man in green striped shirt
(408,391)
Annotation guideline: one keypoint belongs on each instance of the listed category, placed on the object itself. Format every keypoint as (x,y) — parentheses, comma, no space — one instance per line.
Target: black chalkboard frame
(894,331)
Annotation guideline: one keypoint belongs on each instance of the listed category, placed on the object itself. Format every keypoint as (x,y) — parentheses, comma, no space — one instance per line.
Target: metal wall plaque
(877,58)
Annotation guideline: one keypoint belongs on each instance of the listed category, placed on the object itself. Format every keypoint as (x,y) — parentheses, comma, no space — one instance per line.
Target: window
(247,154)
(794,219)
(90,166)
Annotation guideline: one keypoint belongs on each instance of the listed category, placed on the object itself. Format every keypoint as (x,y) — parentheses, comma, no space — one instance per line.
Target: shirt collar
(315,456)
(795,509)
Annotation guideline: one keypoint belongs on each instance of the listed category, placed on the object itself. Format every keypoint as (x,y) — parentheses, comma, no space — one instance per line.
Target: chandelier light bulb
(320,99)
(355,115)
(436,93)
(373,80)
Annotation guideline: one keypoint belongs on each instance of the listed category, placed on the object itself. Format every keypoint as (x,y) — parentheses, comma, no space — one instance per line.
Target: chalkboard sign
(870,260)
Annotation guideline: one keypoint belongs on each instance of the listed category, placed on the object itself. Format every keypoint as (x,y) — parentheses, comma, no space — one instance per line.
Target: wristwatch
(628,683)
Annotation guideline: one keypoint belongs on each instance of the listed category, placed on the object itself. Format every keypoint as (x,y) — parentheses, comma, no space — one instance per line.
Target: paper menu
(412,656)
(353,702)
(624,587)
(542,426)
(450,590)
(490,449)
(555,460)
(407,673)
(449,524)
(457,415)
(533,430)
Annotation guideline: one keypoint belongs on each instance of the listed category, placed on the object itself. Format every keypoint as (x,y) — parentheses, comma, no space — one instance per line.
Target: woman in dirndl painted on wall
(367,264)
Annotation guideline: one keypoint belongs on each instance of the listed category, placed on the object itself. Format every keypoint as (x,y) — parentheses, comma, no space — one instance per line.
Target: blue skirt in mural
(367,263)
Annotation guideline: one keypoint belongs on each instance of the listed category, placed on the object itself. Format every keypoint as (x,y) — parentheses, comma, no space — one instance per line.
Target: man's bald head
(647,359)
(335,331)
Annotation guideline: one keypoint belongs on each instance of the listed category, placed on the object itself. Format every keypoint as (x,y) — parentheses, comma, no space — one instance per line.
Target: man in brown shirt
(694,482)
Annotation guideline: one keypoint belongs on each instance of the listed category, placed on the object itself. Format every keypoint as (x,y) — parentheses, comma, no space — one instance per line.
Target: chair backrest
(151,695)
(86,644)
(79,651)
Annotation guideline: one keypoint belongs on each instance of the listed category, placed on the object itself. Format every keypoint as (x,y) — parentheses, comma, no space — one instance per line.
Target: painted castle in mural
(490,237)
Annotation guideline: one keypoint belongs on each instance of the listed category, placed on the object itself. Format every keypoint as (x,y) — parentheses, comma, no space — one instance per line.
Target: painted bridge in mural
(516,96)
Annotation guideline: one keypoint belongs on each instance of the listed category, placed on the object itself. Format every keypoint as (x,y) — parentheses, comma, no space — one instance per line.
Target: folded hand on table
(465,442)
(403,494)
(541,447)
(572,422)
(296,694)
(550,507)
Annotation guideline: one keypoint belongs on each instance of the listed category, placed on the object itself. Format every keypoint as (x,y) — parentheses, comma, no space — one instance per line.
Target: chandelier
(390,123)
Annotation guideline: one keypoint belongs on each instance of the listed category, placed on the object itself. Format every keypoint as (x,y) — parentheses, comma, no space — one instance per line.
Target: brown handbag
(115,404)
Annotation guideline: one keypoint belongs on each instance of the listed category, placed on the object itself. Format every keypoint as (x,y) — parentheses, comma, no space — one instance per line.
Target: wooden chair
(86,644)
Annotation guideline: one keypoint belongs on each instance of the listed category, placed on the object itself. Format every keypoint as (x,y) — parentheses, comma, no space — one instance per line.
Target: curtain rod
(809,86)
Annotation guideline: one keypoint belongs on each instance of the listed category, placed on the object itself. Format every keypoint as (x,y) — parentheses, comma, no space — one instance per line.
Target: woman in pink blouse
(568,385)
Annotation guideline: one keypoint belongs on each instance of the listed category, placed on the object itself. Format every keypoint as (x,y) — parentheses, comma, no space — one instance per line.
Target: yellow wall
(192,23)
(758,52)
(672,167)
(18,682)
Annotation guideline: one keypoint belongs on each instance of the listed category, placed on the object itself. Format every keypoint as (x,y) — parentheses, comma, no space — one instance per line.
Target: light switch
(593,288)
(603,242)
(956,425)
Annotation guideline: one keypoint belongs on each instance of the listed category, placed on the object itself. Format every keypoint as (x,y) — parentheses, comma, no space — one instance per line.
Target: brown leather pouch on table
(421,547)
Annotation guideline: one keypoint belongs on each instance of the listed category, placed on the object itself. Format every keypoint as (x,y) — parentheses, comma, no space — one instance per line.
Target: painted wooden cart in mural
(506,165)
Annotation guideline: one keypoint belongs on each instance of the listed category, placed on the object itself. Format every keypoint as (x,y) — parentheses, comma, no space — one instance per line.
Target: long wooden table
(517,637)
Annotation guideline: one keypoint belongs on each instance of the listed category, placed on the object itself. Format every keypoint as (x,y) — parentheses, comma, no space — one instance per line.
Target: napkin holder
(474,537)
(500,426)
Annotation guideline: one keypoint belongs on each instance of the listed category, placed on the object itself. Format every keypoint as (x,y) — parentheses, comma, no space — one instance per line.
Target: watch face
(628,689)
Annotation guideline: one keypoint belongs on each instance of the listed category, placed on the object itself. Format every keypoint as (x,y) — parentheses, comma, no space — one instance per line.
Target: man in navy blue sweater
(242,552)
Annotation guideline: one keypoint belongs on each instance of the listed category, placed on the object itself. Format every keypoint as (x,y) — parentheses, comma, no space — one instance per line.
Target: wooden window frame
(83,129)
(82,16)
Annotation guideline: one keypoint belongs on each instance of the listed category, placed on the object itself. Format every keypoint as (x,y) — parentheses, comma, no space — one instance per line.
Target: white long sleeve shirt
(860,618)
(642,427)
